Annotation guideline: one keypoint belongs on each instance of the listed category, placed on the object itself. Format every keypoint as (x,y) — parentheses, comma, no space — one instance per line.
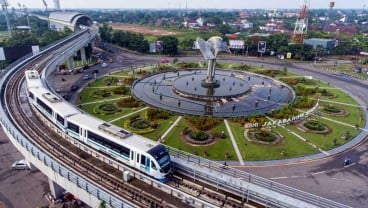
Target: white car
(103,65)
(86,77)
(20,165)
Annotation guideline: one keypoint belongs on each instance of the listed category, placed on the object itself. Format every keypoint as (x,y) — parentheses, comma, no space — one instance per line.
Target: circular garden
(258,136)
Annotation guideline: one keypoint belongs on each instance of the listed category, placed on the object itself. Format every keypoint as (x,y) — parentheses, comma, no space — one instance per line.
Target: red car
(164,61)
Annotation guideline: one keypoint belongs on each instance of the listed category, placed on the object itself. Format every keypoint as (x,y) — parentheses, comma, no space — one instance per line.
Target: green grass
(91,110)
(293,146)
(353,117)
(164,125)
(215,151)
(326,142)
(85,96)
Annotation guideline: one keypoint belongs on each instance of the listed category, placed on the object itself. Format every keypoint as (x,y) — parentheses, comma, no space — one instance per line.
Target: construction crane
(301,24)
(4,5)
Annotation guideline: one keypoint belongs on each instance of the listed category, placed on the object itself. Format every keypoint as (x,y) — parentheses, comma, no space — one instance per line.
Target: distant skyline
(174,4)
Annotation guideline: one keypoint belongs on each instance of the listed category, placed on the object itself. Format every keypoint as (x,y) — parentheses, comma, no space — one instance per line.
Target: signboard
(2,54)
(285,121)
(159,46)
(236,44)
(35,49)
(288,55)
(261,46)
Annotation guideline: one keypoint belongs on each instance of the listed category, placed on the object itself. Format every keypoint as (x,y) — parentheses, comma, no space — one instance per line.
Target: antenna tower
(301,24)
(4,5)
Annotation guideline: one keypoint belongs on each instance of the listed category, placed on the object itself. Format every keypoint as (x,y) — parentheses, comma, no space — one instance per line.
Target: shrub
(265,136)
(315,126)
(199,135)
(122,90)
(102,93)
(290,81)
(140,124)
(331,109)
(111,81)
(129,80)
(155,114)
(129,102)
(203,123)
(188,65)
(242,67)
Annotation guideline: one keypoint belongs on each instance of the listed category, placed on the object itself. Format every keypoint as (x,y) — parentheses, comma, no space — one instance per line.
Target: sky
(174,4)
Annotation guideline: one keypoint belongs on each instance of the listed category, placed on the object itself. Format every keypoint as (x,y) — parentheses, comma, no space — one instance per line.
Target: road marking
(282,177)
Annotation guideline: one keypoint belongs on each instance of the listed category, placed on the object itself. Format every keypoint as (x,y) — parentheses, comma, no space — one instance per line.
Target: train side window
(143,160)
(73,127)
(60,119)
(153,166)
(137,158)
(131,155)
(31,95)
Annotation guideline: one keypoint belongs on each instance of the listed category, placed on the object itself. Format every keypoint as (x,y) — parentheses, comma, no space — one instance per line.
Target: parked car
(86,77)
(74,87)
(20,165)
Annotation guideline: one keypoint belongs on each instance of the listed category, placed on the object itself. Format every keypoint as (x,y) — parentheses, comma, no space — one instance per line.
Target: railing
(241,179)
(60,169)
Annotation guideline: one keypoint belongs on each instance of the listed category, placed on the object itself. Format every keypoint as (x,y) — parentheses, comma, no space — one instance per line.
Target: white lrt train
(134,150)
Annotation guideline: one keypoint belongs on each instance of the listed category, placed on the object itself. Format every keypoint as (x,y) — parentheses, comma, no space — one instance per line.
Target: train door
(137,160)
(148,162)
(132,161)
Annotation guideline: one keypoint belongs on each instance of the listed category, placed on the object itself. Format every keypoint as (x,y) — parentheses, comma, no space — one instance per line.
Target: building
(327,44)
(72,20)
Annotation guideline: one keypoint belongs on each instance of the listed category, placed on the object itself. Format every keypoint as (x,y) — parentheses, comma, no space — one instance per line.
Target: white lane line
(282,177)
(171,127)
(236,148)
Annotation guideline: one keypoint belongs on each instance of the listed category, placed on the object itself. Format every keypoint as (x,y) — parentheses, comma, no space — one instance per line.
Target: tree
(105,32)
(170,45)
(224,28)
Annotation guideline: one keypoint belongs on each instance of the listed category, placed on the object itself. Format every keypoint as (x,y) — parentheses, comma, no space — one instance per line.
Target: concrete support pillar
(71,63)
(57,68)
(55,189)
(83,55)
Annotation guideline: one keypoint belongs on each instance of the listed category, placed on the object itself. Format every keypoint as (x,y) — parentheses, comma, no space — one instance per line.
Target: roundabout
(238,94)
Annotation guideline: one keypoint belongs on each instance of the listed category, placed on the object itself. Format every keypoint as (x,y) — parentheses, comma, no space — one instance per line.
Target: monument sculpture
(209,50)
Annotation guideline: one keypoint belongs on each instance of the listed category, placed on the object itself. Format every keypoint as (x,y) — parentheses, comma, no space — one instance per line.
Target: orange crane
(301,24)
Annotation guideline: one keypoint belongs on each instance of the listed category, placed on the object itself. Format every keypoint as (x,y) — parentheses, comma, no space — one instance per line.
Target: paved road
(18,188)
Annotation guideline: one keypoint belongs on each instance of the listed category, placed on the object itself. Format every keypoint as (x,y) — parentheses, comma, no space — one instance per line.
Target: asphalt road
(19,188)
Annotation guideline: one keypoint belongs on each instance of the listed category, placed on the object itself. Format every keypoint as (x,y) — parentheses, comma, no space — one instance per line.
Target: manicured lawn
(293,146)
(91,110)
(326,142)
(164,125)
(353,117)
(215,151)
(86,96)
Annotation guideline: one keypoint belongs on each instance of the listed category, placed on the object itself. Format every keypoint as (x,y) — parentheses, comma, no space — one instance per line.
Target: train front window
(160,154)
(164,160)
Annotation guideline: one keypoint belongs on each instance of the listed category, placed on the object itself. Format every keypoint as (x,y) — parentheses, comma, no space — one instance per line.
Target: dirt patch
(142,29)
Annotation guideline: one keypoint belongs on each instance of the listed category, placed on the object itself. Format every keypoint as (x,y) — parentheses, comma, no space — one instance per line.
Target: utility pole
(27,16)
(4,5)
